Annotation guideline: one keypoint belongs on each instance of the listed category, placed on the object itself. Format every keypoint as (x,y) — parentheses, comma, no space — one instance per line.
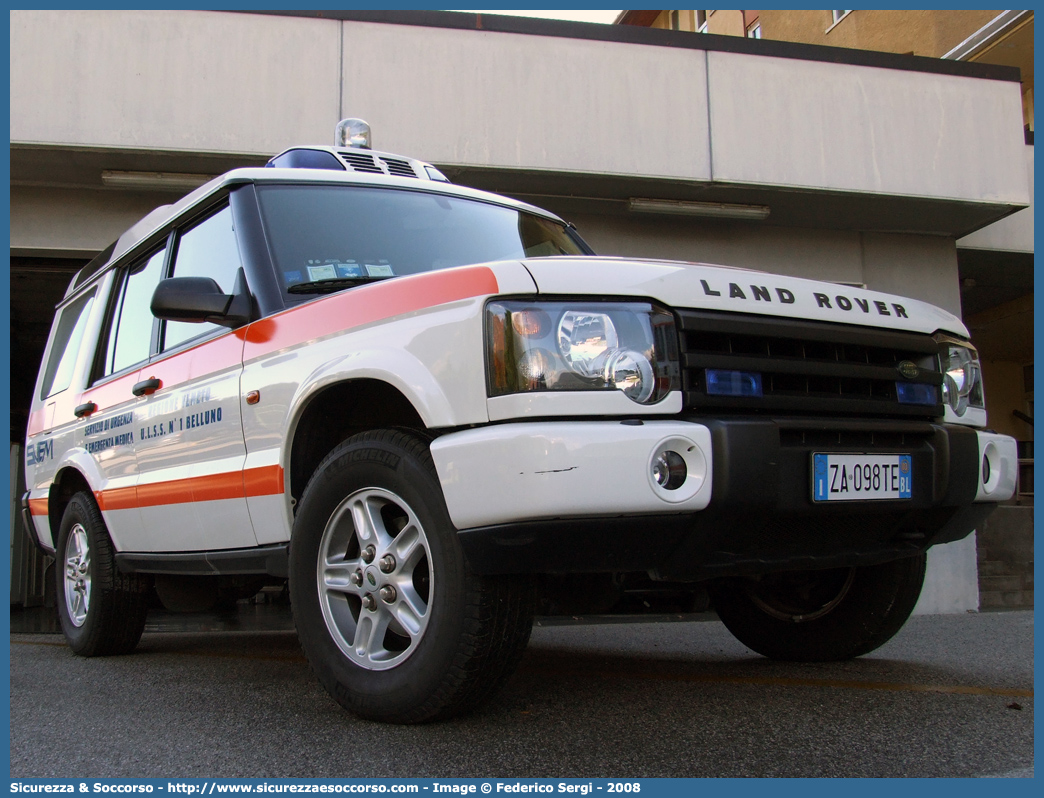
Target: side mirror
(200,299)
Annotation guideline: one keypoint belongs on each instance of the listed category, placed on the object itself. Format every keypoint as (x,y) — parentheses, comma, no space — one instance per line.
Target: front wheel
(395,625)
(101,610)
(821,616)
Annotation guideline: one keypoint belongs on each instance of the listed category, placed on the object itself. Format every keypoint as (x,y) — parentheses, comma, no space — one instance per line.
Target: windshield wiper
(329,286)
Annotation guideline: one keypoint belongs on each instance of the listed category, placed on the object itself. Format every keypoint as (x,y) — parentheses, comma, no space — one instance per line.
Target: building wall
(71,222)
(1005,389)
(174,80)
(518,112)
(1013,233)
(726,23)
(190,81)
(1006,559)
(826,121)
(928,33)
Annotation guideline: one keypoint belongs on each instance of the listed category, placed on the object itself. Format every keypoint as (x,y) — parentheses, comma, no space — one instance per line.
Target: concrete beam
(216,82)
(173,80)
(807,124)
(1012,234)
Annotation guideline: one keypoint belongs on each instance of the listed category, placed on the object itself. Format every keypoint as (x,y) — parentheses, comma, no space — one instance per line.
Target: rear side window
(130,332)
(67,339)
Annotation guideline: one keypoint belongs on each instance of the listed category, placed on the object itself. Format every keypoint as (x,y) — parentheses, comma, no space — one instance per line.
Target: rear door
(53,422)
(110,432)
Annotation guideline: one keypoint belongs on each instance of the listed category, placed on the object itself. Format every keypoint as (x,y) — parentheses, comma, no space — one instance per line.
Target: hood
(705,287)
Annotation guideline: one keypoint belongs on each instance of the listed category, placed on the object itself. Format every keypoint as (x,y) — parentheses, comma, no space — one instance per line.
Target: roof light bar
(353,133)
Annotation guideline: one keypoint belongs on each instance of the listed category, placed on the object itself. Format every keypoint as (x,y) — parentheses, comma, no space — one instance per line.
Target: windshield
(345,235)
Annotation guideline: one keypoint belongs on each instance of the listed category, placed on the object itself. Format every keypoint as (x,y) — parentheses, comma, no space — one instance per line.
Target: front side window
(324,237)
(66,346)
(130,332)
(208,249)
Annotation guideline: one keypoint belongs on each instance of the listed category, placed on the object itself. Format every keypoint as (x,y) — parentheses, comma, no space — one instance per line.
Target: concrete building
(873,166)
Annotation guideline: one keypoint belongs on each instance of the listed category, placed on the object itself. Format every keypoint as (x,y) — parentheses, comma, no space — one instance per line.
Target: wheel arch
(336,411)
(68,481)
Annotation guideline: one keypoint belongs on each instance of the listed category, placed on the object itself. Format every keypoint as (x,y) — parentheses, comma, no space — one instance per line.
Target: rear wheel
(101,610)
(393,622)
(818,616)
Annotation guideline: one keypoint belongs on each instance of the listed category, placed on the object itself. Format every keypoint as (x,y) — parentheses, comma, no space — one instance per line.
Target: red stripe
(225,351)
(110,394)
(366,305)
(263,481)
(38,506)
(337,313)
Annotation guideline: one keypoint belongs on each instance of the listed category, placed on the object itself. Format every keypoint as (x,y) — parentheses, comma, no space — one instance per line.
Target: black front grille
(806,367)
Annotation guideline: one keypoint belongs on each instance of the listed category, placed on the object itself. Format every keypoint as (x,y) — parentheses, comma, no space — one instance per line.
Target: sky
(579,16)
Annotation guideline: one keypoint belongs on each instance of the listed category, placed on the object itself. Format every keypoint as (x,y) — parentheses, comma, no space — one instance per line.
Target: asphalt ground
(949,696)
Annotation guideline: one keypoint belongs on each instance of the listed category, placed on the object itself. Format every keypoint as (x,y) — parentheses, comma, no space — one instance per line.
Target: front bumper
(565,497)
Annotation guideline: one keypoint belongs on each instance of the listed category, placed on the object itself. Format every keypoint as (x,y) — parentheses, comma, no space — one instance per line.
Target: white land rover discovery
(434,410)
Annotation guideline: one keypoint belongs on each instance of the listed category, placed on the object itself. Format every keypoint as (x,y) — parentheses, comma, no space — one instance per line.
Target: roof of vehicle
(164,215)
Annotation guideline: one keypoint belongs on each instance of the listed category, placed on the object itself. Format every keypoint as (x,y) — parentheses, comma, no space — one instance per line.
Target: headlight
(631,347)
(962,375)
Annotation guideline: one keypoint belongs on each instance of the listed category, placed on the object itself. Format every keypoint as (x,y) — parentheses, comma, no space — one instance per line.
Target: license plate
(861,477)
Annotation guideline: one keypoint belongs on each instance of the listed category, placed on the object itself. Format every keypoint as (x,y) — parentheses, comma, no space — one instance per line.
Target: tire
(405,632)
(821,616)
(101,610)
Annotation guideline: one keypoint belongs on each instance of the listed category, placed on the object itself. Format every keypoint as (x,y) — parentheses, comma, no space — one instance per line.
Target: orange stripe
(38,506)
(264,481)
(366,305)
(336,313)
(117,499)
(177,491)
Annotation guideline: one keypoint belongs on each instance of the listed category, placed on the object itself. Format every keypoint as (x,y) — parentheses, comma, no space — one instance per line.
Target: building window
(701,21)
(754,31)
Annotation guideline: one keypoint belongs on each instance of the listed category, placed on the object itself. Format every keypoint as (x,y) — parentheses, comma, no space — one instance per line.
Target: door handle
(85,409)
(146,387)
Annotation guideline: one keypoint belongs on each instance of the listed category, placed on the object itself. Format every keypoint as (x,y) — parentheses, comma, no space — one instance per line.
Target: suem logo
(44,450)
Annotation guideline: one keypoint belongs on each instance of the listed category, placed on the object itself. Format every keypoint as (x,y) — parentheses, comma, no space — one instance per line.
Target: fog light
(722,382)
(985,469)
(668,470)
(916,393)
